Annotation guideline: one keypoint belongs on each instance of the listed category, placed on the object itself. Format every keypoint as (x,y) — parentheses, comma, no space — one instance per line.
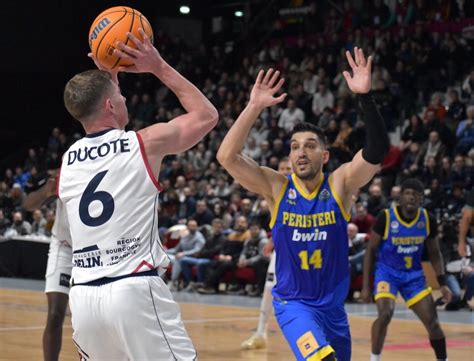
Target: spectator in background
(39,223)
(17,197)
(465,132)
(4,222)
(19,226)
(189,245)
(253,256)
(414,132)
(363,219)
(376,201)
(322,99)
(211,249)
(290,116)
(203,214)
(394,196)
(228,257)
(431,148)
(456,108)
(356,249)
(379,15)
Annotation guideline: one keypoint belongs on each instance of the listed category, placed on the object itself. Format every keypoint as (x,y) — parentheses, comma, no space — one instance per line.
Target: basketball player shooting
(108,187)
(310,212)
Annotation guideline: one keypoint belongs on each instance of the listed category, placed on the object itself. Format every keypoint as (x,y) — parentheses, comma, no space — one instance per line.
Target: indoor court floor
(218,324)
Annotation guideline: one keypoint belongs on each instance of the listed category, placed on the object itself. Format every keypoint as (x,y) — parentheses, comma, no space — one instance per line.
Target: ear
(326,156)
(108,105)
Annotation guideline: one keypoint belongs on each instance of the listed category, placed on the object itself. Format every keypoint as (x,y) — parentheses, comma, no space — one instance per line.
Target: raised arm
(366,163)
(243,169)
(182,132)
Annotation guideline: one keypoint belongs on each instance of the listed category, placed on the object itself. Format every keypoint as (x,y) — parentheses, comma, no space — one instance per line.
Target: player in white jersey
(258,339)
(108,187)
(58,273)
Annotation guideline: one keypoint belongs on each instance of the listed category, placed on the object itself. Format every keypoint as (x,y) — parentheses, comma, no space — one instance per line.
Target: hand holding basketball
(143,56)
(110,28)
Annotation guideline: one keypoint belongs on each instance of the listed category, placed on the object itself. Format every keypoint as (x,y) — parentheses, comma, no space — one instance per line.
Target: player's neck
(406,215)
(310,185)
(95,126)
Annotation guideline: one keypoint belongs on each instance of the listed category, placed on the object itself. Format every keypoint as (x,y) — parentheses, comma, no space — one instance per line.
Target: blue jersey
(310,236)
(403,242)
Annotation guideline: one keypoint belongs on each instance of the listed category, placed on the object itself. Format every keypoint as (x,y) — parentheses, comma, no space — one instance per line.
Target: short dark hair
(85,91)
(309,127)
(413,183)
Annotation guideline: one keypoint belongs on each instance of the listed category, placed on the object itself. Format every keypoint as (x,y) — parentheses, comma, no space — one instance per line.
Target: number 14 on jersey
(315,260)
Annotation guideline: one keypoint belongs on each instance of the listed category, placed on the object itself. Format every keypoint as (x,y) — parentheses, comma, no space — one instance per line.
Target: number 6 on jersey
(89,196)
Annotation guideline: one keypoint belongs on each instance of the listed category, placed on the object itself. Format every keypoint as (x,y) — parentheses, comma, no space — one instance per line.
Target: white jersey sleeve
(111,199)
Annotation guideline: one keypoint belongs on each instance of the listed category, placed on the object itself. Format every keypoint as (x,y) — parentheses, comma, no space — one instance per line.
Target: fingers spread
(274,78)
(268,76)
(259,76)
(350,60)
(362,57)
(136,41)
(278,86)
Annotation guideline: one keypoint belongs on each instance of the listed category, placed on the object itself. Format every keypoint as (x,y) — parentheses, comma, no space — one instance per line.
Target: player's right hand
(145,57)
(264,89)
(366,295)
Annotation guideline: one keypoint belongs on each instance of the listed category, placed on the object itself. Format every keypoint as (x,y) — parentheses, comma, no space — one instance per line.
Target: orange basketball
(110,27)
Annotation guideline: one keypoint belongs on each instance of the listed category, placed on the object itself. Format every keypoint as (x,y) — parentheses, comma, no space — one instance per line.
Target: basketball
(110,27)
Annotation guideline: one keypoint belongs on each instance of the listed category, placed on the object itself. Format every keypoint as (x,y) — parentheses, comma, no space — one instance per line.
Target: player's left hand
(360,81)
(264,89)
(446,293)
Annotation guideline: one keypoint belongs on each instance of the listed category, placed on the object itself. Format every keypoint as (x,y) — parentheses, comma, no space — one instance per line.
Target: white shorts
(271,276)
(58,270)
(133,318)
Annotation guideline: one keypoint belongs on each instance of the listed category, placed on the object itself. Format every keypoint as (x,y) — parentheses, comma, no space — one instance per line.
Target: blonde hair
(85,91)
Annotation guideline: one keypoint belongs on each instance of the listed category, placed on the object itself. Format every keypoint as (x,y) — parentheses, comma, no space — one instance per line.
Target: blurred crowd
(423,83)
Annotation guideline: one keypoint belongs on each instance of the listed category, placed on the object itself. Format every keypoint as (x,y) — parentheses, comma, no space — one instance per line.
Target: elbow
(212,116)
(223,157)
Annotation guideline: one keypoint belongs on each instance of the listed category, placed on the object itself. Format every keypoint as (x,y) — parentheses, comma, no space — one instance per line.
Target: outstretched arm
(241,167)
(182,132)
(366,163)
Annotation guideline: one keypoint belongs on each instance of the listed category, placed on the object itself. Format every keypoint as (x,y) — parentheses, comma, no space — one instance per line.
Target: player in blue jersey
(398,238)
(310,211)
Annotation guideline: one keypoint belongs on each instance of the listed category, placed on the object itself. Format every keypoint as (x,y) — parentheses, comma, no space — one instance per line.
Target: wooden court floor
(218,330)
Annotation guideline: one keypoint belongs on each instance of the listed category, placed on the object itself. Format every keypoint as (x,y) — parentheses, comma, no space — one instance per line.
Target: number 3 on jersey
(89,196)
(316,260)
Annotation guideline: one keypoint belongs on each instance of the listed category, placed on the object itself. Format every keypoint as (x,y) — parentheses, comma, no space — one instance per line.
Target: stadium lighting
(238,14)
(184,9)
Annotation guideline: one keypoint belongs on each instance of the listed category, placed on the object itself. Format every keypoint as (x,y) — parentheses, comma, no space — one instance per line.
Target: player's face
(119,107)
(284,167)
(410,200)
(307,155)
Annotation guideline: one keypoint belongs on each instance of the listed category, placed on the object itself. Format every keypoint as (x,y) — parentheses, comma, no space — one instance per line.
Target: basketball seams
(106,32)
(126,41)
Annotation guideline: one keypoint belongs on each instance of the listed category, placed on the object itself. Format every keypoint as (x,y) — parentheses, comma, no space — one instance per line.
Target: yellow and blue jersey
(311,244)
(402,245)
(398,267)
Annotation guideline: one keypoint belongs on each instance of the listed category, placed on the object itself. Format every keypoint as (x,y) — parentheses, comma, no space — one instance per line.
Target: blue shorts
(410,284)
(314,332)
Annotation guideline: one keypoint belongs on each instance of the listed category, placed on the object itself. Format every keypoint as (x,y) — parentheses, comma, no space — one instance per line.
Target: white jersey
(111,199)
